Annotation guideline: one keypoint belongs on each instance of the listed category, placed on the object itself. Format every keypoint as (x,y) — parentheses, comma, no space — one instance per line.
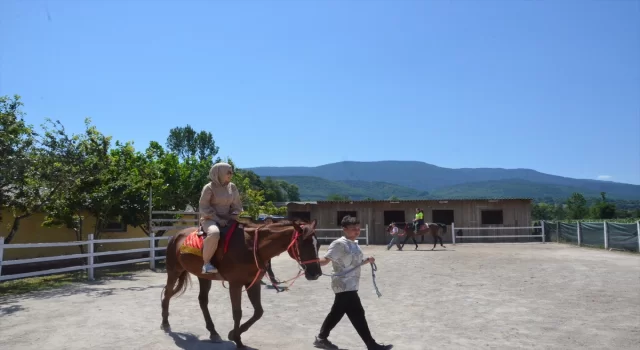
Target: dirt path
(502,296)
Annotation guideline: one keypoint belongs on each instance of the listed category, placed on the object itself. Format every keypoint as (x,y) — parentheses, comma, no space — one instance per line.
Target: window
(442,216)
(396,216)
(115,226)
(342,214)
(300,215)
(491,217)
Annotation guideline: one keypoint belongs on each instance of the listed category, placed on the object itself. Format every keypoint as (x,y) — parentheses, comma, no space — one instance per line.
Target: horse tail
(443,227)
(171,265)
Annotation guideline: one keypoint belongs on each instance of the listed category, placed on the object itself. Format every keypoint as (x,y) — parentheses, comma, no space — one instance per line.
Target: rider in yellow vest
(419,220)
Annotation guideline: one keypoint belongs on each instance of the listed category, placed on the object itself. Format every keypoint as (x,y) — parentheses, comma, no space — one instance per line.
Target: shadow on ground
(189,341)
(93,289)
(10,309)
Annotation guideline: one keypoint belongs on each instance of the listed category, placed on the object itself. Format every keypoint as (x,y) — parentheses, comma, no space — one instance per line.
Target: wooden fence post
(638,229)
(579,233)
(152,252)
(366,230)
(543,231)
(453,233)
(90,257)
(1,252)
(557,231)
(606,236)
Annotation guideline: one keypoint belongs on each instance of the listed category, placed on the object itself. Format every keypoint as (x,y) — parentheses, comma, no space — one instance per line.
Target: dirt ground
(494,296)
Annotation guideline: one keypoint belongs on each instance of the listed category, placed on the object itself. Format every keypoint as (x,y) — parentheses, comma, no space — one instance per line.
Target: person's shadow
(190,341)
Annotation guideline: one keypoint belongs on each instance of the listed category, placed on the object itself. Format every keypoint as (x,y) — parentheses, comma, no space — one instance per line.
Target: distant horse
(432,228)
(240,259)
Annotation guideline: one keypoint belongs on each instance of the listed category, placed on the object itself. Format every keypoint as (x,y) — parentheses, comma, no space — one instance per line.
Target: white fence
(541,227)
(90,266)
(365,229)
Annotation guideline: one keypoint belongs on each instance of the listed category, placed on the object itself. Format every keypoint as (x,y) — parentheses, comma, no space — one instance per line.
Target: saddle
(194,242)
(423,227)
(223,230)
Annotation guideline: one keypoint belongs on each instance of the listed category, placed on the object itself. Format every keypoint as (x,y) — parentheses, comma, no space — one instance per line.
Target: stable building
(378,214)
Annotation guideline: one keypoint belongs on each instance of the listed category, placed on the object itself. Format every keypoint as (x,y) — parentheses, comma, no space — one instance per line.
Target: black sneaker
(324,344)
(380,347)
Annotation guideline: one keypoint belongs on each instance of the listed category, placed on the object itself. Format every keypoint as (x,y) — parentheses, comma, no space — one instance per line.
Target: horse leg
(235,293)
(435,240)
(254,297)
(203,299)
(415,242)
(172,278)
(441,244)
(406,238)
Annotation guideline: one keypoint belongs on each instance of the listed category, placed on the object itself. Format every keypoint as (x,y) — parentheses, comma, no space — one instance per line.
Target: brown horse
(249,247)
(432,228)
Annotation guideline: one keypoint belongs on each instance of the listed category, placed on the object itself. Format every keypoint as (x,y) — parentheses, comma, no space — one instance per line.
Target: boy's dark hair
(349,220)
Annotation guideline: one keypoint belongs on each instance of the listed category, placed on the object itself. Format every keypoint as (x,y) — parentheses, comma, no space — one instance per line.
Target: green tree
(337,197)
(576,207)
(292,191)
(98,187)
(55,165)
(273,192)
(559,212)
(543,211)
(186,142)
(603,209)
(17,140)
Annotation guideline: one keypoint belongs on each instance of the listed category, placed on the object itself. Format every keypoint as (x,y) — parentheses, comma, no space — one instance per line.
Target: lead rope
(374,268)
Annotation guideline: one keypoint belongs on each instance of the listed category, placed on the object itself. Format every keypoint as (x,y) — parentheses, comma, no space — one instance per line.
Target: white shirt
(345,255)
(394,230)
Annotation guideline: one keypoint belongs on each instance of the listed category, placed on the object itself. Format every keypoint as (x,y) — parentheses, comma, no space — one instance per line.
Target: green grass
(39,283)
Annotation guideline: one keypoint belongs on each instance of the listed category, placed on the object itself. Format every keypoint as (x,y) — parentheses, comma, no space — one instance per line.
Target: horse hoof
(215,338)
(165,327)
(231,336)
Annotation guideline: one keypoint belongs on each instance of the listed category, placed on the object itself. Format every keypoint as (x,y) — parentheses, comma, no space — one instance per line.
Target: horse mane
(276,227)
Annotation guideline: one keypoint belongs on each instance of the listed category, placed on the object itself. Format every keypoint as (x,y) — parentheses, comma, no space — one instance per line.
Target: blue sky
(548,85)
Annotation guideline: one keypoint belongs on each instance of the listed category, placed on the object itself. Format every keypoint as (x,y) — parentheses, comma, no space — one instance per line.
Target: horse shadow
(434,250)
(190,341)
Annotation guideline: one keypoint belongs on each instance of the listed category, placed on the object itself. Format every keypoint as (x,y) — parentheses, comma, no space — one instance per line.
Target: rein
(374,268)
(295,254)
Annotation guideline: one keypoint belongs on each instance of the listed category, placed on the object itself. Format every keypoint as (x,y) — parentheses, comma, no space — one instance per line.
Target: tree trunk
(78,233)
(14,227)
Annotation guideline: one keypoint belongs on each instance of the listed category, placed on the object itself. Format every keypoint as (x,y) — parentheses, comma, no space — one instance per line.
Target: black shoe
(324,344)
(380,347)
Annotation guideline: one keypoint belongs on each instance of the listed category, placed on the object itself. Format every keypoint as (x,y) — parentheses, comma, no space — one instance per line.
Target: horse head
(304,249)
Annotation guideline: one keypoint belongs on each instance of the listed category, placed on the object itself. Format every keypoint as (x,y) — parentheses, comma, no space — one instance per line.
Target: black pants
(416,226)
(347,303)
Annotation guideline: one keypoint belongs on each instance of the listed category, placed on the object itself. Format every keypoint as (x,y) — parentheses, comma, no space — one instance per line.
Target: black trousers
(347,303)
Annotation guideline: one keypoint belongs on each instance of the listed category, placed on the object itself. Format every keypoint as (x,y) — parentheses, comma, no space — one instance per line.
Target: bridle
(294,252)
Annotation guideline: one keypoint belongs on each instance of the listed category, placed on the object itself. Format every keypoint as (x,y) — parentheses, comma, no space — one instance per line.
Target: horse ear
(296,226)
(311,228)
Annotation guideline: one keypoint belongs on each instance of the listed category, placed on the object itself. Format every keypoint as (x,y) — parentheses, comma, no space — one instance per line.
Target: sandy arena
(500,296)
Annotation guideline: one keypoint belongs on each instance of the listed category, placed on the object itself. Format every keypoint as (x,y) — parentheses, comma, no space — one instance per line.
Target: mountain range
(415,180)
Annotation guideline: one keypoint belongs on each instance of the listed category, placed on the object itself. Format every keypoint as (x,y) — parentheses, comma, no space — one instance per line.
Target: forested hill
(427,180)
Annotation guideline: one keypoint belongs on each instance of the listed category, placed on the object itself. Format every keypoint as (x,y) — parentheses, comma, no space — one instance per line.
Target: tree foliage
(576,208)
(88,174)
